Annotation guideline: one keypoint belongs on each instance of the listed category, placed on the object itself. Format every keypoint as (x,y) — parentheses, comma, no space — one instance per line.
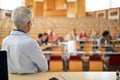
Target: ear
(28,24)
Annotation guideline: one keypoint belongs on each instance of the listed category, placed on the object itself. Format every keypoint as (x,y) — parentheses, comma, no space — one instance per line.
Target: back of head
(40,35)
(45,34)
(21,16)
(105,33)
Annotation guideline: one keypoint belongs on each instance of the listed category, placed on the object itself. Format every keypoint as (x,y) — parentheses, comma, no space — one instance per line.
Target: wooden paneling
(38,8)
(54,8)
(60,4)
(101,14)
(81,8)
(55,13)
(90,14)
(50,4)
(29,3)
(110,14)
(61,8)
(45,4)
(114,14)
(71,9)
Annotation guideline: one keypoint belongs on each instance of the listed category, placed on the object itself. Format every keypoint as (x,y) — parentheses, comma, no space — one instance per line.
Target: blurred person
(99,35)
(43,43)
(74,35)
(45,39)
(40,38)
(93,35)
(105,41)
(71,44)
(106,38)
(51,35)
(118,36)
(83,35)
(23,52)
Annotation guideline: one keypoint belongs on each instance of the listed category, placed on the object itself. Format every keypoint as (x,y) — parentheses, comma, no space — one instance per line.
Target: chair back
(95,63)
(3,66)
(114,63)
(75,64)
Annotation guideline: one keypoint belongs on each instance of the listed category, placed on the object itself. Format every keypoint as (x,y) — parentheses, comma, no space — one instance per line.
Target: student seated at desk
(43,41)
(74,35)
(83,38)
(93,35)
(23,53)
(105,41)
(51,35)
(70,45)
(83,35)
(45,38)
(40,38)
(118,36)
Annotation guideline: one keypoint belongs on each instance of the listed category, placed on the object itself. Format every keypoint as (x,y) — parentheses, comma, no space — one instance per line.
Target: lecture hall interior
(79,39)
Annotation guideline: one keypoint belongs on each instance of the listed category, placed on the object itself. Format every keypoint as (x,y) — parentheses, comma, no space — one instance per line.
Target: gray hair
(21,16)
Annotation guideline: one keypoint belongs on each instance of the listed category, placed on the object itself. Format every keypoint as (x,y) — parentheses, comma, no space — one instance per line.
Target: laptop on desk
(3,66)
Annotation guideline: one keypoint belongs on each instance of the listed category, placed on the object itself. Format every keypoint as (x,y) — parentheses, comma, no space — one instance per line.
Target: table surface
(65,76)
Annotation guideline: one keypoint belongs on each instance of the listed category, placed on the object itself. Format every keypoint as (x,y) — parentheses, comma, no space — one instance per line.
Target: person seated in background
(40,38)
(23,52)
(51,35)
(83,35)
(93,35)
(118,36)
(70,45)
(43,43)
(99,35)
(74,35)
(105,41)
(45,39)
(106,38)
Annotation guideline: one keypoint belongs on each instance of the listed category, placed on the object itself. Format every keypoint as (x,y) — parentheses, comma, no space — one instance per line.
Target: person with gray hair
(24,53)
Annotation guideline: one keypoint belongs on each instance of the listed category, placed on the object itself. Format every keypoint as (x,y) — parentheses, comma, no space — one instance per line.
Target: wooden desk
(67,75)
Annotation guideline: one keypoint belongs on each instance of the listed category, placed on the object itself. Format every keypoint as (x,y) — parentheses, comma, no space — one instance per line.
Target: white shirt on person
(71,46)
(24,54)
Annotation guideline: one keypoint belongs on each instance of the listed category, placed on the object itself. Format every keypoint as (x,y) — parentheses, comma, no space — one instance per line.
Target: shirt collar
(21,31)
(14,32)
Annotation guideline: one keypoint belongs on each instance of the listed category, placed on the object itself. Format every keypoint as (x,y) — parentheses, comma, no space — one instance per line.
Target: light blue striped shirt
(24,54)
